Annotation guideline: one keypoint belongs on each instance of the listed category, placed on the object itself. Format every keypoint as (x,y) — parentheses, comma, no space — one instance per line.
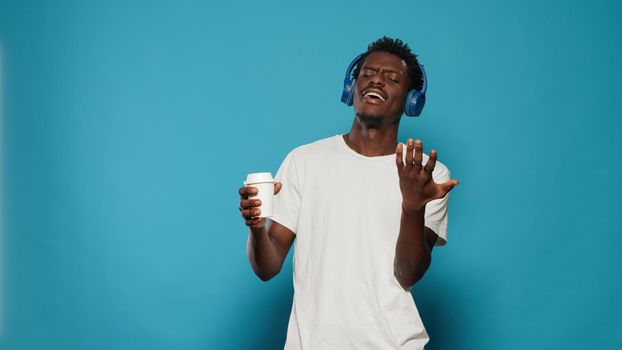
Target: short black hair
(399,49)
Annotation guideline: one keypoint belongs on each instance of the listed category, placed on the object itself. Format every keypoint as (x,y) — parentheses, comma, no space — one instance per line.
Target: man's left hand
(416,183)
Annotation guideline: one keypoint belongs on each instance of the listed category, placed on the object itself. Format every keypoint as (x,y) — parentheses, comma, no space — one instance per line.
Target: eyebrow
(386,70)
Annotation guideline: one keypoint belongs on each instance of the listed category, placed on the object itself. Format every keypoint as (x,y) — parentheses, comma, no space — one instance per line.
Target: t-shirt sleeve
(287,201)
(436,210)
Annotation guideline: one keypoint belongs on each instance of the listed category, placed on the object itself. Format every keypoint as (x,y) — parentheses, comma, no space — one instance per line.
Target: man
(365,214)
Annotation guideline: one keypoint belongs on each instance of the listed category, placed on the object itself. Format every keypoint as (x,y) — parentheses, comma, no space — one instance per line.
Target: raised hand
(416,183)
(249,208)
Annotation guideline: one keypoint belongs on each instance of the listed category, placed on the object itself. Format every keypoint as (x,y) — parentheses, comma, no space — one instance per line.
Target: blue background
(128,128)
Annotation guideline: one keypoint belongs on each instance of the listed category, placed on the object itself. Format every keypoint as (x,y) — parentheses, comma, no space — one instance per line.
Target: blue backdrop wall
(128,128)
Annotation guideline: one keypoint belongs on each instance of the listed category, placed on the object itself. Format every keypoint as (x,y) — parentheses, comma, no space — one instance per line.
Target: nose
(377,79)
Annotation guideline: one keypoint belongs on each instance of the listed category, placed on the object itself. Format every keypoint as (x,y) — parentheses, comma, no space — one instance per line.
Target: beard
(375,121)
(371,121)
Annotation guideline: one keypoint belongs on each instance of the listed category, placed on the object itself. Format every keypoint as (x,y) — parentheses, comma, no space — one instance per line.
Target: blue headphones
(415,99)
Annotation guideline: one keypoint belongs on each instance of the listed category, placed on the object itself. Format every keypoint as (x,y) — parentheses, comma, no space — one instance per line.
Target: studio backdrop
(128,127)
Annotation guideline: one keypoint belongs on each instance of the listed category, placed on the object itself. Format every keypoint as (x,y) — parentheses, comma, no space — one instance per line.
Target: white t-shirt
(345,209)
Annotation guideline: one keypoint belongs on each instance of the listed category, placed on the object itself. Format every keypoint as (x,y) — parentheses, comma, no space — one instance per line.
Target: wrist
(258,230)
(413,209)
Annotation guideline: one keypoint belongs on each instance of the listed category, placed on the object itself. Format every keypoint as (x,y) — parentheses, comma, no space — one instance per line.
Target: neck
(372,142)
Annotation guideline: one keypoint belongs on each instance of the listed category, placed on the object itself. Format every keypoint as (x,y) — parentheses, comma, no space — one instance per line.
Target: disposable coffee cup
(265,191)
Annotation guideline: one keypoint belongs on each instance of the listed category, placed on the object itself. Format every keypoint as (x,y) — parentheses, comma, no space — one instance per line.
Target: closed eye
(393,77)
(368,72)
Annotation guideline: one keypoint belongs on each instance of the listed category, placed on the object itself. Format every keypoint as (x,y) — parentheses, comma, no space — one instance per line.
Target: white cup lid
(258,178)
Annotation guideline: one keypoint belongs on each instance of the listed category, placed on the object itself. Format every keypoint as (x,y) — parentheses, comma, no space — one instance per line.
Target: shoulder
(302,159)
(319,147)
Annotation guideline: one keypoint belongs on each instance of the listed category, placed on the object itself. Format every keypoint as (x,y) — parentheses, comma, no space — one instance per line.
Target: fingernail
(257,202)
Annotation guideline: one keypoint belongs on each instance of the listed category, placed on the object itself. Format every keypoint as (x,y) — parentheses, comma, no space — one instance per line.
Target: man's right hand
(266,248)
(249,208)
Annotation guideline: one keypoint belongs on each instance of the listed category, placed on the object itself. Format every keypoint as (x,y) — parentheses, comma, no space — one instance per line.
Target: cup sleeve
(287,201)
(436,210)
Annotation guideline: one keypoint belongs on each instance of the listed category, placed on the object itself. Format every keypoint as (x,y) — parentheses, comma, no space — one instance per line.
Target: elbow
(406,282)
(405,286)
(408,276)
(265,276)
(265,271)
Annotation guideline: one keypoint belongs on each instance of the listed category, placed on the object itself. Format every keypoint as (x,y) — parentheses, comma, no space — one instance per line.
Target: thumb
(447,186)
(277,187)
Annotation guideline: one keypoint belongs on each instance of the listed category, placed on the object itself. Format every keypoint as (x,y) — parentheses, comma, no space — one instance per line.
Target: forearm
(263,254)
(412,254)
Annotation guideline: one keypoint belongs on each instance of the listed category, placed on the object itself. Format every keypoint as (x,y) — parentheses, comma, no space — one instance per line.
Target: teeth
(371,93)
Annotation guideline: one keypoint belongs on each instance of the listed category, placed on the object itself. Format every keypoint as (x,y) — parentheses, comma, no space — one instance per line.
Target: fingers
(399,154)
(409,152)
(429,166)
(249,203)
(250,213)
(255,222)
(418,154)
(277,187)
(249,208)
(246,192)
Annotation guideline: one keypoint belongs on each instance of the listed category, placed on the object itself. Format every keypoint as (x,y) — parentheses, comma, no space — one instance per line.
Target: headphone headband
(353,64)
(424,88)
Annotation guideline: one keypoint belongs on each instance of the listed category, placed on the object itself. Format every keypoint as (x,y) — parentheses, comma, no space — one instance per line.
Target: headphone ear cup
(415,101)
(347,96)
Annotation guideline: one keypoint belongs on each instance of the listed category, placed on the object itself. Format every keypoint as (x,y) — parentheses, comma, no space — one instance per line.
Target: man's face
(380,89)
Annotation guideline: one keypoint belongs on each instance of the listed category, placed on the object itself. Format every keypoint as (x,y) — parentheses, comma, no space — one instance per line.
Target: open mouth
(374,96)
